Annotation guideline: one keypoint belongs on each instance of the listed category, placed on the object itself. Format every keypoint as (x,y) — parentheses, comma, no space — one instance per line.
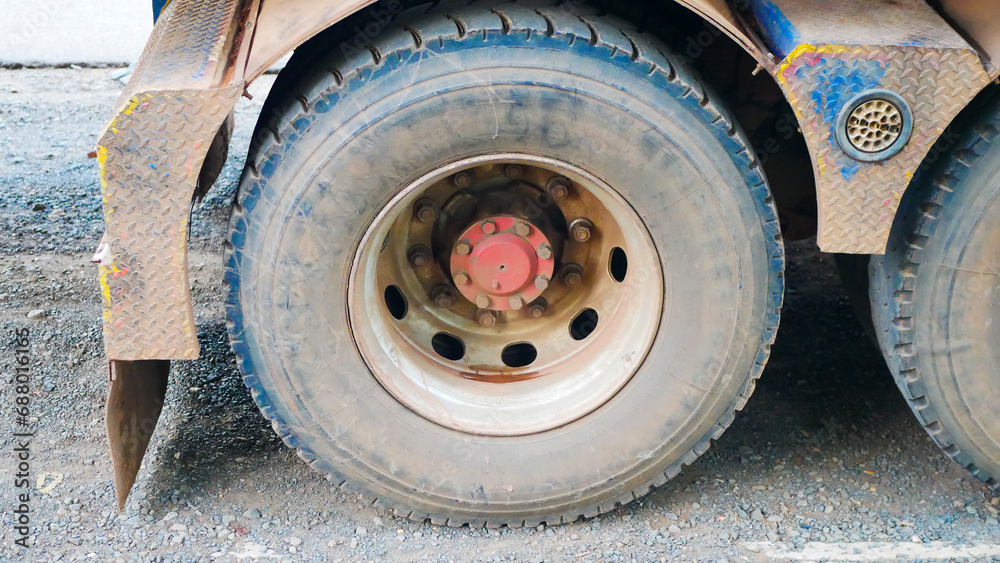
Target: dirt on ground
(825,463)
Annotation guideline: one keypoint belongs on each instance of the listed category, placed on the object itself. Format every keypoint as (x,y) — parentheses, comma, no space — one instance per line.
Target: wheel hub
(502,263)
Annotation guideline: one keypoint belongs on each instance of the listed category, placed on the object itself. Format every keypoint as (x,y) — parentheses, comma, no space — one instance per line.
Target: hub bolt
(419,256)
(462,180)
(489,227)
(572,274)
(558,187)
(484,301)
(487,318)
(542,282)
(581,230)
(461,279)
(516,303)
(513,171)
(424,211)
(545,252)
(443,296)
(463,248)
(523,230)
(538,308)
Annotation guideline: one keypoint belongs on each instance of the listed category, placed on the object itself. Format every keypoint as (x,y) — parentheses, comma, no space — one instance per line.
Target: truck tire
(935,295)
(502,267)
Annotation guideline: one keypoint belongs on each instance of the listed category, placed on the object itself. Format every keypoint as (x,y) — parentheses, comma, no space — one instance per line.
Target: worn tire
(427,92)
(935,295)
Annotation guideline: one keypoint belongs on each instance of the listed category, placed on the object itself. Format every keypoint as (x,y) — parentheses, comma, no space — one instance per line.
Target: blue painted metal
(158,6)
(779,32)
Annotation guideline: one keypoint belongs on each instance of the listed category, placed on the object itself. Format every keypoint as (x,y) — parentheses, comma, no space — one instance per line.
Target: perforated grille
(874,126)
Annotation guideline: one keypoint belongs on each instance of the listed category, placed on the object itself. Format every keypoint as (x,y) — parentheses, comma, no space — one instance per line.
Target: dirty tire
(458,81)
(935,296)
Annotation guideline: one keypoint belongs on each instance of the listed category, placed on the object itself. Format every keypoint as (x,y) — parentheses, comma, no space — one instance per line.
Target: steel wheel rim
(576,367)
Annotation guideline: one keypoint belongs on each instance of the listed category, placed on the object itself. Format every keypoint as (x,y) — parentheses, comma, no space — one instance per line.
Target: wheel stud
(463,248)
(462,180)
(462,279)
(443,296)
(484,301)
(542,283)
(516,303)
(513,171)
(489,227)
(419,256)
(572,274)
(424,210)
(486,318)
(522,230)
(538,308)
(545,252)
(581,230)
(558,187)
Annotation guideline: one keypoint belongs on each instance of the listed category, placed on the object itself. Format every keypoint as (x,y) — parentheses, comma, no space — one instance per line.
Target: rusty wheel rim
(505,295)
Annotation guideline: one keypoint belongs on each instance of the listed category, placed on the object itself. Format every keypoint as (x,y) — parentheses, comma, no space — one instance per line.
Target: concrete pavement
(59,32)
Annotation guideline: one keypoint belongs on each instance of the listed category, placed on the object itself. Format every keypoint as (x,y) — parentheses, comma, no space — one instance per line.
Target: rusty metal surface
(150,157)
(844,49)
(135,399)
(285,24)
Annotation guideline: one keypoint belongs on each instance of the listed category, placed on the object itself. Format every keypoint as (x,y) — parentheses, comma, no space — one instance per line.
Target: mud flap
(135,399)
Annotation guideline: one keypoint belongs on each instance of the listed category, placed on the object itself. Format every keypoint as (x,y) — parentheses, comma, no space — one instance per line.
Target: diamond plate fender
(187,82)
(832,52)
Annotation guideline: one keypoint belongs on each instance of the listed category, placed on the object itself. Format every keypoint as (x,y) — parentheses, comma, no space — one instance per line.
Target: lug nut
(461,279)
(486,318)
(462,180)
(424,211)
(542,283)
(516,303)
(558,187)
(513,171)
(522,230)
(538,308)
(443,296)
(484,301)
(419,256)
(581,230)
(572,274)
(545,252)
(463,248)
(489,226)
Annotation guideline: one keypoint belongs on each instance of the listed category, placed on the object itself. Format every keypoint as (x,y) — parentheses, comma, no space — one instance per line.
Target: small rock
(252,514)
(757,515)
(178,527)
(36,314)
(294,541)
(916,539)
(38,206)
(361,531)
(775,518)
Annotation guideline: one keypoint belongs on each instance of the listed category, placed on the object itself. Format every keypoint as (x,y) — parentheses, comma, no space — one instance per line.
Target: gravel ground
(826,462)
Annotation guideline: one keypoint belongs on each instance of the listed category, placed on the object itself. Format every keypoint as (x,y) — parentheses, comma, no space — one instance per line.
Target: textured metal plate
(858,200)
(150,160)
(150,157)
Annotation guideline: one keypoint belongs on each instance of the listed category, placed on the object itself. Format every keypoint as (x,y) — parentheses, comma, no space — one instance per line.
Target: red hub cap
(502,263)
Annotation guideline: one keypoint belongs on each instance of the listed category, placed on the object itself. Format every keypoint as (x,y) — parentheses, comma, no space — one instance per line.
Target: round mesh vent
(874,125)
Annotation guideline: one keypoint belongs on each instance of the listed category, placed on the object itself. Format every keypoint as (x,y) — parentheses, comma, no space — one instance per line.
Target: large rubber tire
(935,296)
(461,81)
